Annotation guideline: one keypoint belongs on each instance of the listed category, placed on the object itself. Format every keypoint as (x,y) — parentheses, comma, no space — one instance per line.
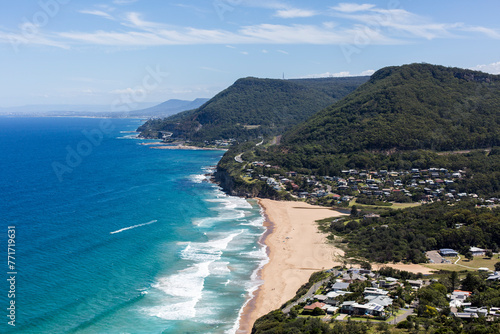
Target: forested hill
(417,106)
(254,107)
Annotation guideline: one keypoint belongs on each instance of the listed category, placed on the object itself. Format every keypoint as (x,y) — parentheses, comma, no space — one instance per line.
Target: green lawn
(380,208)
(398,313)
(479,262)
(445,266)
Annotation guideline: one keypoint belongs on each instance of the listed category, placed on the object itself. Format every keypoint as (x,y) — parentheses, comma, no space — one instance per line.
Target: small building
(380,300)
(375,292)
(314,305)
(416,284)
(332,296)
(480,311)
(494,277)
(347,307)
(465,316)
(458,298)
(448,252)
(331,309)
(340,286)
(321,298)
(477,251)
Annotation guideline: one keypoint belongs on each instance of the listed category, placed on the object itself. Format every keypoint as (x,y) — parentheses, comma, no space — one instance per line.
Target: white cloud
(265,51)
(338,74)
(365,25)
(134,20)
(98,13)
(123,2)
(244,53)
(493,68)
(352,7)
(399,22)
(260,4)
(367,72)
(283,52)
(492,33)
(129,91)
(329,25)
(294,13)
(156,34)
(34,37)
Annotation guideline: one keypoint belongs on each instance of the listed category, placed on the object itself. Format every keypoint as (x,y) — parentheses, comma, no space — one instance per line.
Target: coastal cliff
(225,181)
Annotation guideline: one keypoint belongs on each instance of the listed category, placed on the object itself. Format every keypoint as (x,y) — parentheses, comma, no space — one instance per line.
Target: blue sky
(127,51)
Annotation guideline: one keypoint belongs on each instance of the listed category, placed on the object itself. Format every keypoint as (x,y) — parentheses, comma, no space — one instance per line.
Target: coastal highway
(238,158)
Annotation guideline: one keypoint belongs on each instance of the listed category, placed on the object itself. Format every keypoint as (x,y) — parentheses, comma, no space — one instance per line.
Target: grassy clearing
(479,262)
(476,263)
(404,205)
(379,208)
(446,266)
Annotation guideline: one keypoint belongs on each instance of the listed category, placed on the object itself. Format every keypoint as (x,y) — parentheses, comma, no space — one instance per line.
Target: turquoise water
(115,237)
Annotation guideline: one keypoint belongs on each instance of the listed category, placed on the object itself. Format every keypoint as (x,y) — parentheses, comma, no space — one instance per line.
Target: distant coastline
(186,147)
(163,146)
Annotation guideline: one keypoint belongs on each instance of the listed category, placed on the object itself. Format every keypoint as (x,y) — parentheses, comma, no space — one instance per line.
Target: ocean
(112,236)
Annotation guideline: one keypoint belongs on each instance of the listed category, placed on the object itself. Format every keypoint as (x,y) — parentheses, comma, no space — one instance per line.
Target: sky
(120,53)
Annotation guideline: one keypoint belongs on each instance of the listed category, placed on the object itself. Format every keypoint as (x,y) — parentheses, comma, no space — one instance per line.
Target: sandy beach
(296,250)
(185,147)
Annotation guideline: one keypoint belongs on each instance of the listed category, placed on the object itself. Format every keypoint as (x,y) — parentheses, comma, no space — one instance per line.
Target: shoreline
(295,249)
(162,146)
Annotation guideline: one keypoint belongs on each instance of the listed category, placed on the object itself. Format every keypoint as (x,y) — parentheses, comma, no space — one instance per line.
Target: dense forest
(405,235)
(254,107)
(417,106)
(397,120)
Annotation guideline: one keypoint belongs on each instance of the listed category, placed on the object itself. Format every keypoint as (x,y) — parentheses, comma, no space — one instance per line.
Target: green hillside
(254,107)
(418,106)
(412,116)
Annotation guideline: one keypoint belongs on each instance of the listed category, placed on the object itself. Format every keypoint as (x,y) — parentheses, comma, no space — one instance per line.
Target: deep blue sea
(115,237)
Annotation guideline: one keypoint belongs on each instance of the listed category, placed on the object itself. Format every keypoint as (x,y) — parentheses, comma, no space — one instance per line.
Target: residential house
(380,300)
(416,284)
(353,308)
(314,305)
(458,298)
(321,298)
(340,286)
(494,277)
(375,292)
(332,296)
